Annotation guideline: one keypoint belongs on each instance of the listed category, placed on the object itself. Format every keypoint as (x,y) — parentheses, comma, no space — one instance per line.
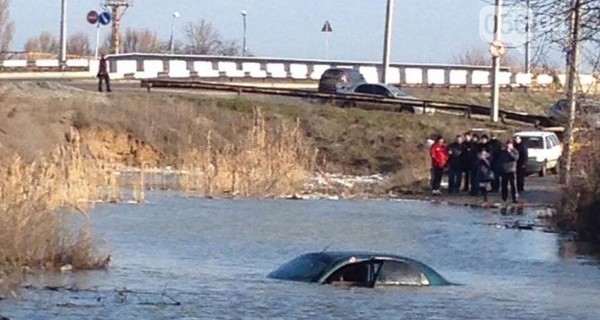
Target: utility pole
(63,35)
(495,102)
(387,41)
(528,38)
(573,66)
(116,21)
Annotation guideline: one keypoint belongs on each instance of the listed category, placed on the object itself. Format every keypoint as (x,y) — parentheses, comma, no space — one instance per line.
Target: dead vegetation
(37,227)
(263,161)
(580,204)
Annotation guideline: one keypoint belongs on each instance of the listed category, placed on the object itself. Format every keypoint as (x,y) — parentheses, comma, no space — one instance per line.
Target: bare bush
(580,205)
(142,41)
(43,43)
(79,45)
(203,38)
(33,232)
(7,27)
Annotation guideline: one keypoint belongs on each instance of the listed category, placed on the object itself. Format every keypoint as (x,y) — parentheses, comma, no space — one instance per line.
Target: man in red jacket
(439,158)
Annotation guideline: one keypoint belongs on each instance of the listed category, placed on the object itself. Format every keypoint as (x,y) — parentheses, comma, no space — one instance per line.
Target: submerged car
(362,269)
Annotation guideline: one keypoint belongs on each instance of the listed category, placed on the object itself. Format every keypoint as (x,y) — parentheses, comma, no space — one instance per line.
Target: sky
(424,31)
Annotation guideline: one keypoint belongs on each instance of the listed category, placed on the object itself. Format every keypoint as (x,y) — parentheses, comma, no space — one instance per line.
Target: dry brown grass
(263,161)
(580,205)
(36,229)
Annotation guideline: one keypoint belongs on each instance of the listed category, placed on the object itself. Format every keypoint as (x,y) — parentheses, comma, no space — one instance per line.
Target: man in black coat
(455,168)
(494,146)
(473,161)
(521,163)
(467,161)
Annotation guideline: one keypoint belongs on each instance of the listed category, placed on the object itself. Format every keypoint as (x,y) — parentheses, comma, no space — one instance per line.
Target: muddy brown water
(187,258)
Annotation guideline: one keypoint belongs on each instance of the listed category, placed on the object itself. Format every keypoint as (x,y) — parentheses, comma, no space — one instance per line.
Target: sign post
(327,30)
(98,19)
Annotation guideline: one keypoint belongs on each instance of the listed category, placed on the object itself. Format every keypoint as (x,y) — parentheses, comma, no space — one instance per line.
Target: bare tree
(143,41)
(478,57)
(7,27)
(79,44)
(203,38)
(43,43)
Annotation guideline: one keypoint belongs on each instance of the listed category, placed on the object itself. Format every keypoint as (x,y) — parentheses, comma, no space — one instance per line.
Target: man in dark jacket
(455,167)
(521,163)
(507,159)
(467,160)
(494,146)
(103,74)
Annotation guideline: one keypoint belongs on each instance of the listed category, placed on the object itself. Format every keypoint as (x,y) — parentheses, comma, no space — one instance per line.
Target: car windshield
(306,267)
(533,142)
(396,92)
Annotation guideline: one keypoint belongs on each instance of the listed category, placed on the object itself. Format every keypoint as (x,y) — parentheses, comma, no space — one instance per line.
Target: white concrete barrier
(81,63)
(370,73)
(523,79)
(48,63)
(14,63)
(394,75)
(318,71)
(277,70)
(253,69)
(298,71)
(413,76)
(205,69)
(458,77)
(126,67)
(230,69)
(178,69)
(151,69)
(480,78)
(436,76)
(544,80)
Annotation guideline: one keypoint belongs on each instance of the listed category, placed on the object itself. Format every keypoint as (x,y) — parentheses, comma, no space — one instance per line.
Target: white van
(543,149)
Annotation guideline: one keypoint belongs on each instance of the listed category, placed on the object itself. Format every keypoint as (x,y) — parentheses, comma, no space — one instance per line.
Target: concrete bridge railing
(145,66)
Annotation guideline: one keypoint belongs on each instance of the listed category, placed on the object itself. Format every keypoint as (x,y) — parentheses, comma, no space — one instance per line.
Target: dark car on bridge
(337,80)
(362,269)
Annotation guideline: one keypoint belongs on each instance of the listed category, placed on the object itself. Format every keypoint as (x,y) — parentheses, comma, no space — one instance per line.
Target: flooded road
(181,258)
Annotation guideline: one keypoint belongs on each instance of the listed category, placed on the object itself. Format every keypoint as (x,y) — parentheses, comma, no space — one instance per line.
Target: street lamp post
(172,41)
(387,41)
(244,14)
(63,34)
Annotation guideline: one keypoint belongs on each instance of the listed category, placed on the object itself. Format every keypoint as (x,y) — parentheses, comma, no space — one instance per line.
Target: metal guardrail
(353,100)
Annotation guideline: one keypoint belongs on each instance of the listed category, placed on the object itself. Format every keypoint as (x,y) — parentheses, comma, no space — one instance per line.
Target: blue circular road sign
(104,18)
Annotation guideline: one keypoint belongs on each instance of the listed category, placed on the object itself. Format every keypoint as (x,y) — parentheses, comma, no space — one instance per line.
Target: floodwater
(189,258)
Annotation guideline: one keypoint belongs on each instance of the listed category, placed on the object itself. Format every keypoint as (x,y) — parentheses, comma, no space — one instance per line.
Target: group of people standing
(479,165)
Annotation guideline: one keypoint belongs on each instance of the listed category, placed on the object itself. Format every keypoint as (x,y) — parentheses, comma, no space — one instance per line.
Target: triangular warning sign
(326,27)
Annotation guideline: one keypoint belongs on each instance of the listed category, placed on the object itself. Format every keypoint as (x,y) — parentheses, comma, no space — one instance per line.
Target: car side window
(381,91)
(358,274)
(555,139)
(401,273)
(365,88)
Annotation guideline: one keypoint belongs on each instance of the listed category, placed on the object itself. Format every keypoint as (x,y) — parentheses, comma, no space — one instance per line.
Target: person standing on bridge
(103,74)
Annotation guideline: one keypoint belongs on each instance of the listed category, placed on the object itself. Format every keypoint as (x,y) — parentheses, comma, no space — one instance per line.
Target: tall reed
(37,229)
(266,160)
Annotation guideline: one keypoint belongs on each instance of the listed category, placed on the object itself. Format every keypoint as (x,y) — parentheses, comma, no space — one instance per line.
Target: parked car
(362,269)
(588,112)
(544,151)
(335,80)
(389,91)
